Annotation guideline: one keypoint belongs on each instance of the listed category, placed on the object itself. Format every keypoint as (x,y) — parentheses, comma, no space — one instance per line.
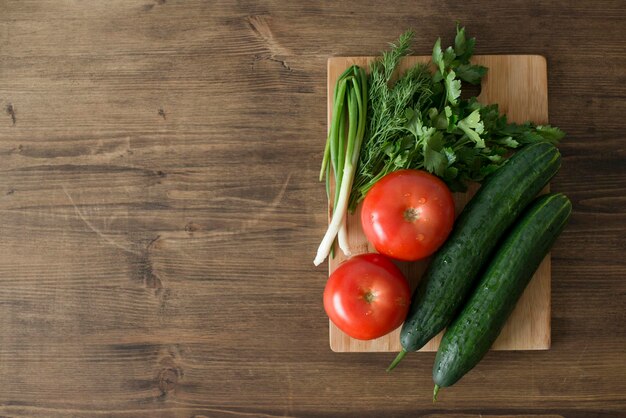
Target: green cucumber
(453,269)
(474,330)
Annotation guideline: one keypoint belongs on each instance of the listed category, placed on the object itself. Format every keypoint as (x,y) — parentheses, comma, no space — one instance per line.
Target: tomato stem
(411,214)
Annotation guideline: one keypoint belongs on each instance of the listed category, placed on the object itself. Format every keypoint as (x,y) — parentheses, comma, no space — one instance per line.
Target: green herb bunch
(420,121)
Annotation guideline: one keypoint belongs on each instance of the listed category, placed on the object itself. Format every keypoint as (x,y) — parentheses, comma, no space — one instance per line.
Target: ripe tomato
(408,214)
(367,296)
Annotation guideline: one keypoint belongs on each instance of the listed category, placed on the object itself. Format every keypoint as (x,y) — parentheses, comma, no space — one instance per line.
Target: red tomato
(367,296)
(408,214)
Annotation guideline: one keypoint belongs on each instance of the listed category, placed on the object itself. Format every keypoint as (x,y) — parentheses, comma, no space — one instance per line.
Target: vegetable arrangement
(400,147)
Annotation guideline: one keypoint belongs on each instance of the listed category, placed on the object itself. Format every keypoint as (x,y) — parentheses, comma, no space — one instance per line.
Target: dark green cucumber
(453,269)
(474,330)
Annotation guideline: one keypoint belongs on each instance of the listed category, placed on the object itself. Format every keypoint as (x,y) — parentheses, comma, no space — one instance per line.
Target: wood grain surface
(159,210)
(519,84)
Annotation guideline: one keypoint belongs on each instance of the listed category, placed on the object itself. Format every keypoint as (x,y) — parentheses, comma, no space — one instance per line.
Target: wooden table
(159,210)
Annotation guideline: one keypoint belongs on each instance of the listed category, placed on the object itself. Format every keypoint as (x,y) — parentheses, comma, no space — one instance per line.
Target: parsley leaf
(508,142)
(438,56)
(471,73)
(450,155)
(473,127)
(453,88)
(448,56)
(464,48)
(549,133)
(434,161)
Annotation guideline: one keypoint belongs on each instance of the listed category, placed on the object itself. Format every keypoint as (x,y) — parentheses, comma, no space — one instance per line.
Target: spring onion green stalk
(342,153)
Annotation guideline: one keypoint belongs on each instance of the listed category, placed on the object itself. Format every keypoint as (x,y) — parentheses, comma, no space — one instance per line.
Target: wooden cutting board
(518,83)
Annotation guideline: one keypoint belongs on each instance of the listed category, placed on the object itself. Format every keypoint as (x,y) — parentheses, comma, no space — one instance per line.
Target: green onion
(349,106)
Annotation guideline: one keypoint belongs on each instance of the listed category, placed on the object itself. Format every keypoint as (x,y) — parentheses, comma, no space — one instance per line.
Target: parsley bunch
(420,121)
